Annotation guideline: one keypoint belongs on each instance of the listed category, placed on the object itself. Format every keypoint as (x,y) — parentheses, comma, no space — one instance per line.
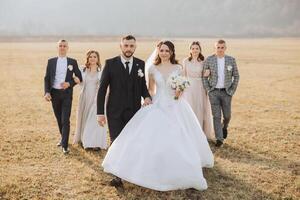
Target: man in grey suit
(221,84)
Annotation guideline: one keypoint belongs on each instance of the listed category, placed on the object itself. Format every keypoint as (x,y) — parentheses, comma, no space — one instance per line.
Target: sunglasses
(62,45)
(220,47)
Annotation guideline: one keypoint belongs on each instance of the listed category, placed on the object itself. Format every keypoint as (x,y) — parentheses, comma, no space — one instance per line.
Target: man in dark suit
(124,75)
(58,86)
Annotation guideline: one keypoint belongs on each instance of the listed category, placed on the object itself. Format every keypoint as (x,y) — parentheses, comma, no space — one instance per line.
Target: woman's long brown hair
(200,56)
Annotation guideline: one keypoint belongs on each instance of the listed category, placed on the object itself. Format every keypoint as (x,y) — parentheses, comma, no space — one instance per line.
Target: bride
(163,146)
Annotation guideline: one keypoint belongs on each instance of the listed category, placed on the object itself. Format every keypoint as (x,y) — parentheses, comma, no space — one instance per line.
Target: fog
(156,18)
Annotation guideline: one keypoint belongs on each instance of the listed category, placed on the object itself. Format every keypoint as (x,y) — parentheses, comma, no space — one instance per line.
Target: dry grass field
(260,159)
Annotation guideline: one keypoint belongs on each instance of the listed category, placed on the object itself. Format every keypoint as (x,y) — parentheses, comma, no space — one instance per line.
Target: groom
(58,85)
(124,75)
(221,85)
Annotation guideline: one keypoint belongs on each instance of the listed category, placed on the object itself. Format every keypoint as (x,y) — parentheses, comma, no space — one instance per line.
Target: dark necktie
(127,67)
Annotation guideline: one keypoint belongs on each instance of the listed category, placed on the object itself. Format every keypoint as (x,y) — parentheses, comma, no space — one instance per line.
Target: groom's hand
(147,101)
(101,120)
(47,97)
(65,85)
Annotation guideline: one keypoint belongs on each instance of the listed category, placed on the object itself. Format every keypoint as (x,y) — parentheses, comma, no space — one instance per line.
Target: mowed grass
(260,159)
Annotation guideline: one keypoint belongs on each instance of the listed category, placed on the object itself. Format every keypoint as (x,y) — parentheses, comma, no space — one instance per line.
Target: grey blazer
(231,74)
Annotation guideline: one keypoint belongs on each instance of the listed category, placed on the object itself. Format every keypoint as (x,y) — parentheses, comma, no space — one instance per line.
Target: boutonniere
(70,67)
(140,73)
(229,67)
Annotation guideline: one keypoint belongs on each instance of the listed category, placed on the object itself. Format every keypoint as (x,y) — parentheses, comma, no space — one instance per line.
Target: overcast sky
(157,18)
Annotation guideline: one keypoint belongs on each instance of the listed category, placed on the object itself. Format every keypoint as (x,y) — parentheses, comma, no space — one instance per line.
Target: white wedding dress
(163,146)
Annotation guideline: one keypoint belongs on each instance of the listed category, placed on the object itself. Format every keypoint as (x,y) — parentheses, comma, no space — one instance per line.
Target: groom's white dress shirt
(61,72)
(130,62)
(221,72)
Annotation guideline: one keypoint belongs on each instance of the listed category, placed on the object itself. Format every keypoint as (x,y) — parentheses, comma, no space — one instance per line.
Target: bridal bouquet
(178,82)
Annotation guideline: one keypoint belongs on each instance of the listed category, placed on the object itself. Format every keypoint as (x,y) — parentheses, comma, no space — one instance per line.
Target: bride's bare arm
(151,86)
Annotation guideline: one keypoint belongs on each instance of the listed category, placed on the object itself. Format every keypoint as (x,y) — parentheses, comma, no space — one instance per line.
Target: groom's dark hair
(221,41)
(128,37)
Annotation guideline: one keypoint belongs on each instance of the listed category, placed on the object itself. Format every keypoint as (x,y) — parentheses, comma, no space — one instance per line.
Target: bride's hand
(147,101)
(178,94)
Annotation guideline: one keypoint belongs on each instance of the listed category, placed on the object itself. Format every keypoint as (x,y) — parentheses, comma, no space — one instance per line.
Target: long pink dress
(197,96)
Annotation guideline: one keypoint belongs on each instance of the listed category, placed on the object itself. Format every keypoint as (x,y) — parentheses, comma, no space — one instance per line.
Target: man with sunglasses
(221,84)
(58,86)
(124,75)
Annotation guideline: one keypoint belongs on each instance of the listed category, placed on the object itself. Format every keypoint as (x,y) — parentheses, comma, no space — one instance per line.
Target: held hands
(101,120)
(76,79)
(206,73)
(47,97)
(147,101)
(65,85)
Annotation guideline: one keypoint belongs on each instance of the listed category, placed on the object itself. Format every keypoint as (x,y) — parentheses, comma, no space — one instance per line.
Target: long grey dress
(88,130)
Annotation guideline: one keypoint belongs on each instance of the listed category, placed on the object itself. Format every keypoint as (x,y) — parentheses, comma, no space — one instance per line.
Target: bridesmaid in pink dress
(196,94)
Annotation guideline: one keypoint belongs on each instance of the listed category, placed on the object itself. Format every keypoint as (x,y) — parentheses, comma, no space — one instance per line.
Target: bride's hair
(171,47)
(87,65)
(200,56)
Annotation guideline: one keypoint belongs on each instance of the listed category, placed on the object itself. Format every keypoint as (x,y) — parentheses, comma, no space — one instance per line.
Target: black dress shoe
(219,143)
(97,149)
(116,182)
(65,150)
(58,144)
(225,133)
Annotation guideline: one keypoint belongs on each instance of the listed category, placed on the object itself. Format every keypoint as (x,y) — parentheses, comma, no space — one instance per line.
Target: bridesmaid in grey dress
(196,94)
(88,132)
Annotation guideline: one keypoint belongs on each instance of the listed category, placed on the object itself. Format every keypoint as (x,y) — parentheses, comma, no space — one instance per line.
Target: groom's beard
(128,54)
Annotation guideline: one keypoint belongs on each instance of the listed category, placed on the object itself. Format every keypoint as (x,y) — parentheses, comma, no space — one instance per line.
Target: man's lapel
(54,66)
(225,67)
(69,72)
(216,64)
(122,68)
(134,68)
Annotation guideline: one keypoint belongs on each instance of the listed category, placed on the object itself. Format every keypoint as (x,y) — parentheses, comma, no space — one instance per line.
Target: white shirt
(130,62)
(221,73)
(61,72)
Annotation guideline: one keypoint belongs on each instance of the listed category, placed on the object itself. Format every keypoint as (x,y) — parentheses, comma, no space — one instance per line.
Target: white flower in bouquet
(178,82)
